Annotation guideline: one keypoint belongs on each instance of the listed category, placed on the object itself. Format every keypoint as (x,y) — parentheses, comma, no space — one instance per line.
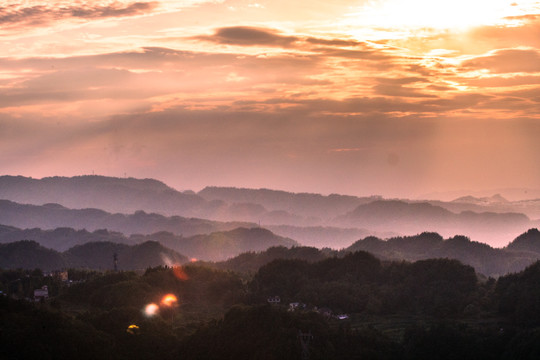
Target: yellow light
(132,329)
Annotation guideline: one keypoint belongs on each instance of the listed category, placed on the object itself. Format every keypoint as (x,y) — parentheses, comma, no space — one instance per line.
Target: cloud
(400,91)
(457,102)
(365,54)
(259,36)
(394,87)
(149,73)
(307,83)
(500,81)
(400,81)
(40,15)
(532,94)
(507,61)
(526,17)
(249,36)
(159,59)
(334,42)
(112,10)
(367,106)
(497,37)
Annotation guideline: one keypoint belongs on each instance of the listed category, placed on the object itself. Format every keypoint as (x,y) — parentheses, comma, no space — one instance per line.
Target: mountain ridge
(484,258)
(153,206)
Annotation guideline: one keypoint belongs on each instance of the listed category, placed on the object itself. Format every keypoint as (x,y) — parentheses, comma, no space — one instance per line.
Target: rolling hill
(215,246)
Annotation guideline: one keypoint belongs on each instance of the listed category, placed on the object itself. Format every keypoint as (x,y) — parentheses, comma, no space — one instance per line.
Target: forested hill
(529,241)
(28,254)
(354,307)
(250,262)
(489,261)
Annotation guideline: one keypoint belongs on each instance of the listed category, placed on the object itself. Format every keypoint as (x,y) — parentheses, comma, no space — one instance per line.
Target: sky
(388,97)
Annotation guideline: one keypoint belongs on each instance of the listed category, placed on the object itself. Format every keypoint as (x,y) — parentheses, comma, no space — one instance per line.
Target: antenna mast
(115,260)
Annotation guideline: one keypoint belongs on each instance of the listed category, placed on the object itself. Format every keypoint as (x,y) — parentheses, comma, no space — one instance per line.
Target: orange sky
(398,98)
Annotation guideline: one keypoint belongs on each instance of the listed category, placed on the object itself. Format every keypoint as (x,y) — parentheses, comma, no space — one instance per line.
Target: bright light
(193,260)
(151,309)
(169,300)
(455,14)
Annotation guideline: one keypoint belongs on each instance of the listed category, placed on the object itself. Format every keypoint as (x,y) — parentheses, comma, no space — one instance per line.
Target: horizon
(509,194)
(387,98)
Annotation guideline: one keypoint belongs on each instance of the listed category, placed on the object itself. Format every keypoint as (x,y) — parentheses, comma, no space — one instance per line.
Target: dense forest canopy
(350,306)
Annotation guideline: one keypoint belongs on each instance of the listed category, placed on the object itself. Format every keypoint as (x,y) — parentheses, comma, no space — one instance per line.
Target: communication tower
(305,339)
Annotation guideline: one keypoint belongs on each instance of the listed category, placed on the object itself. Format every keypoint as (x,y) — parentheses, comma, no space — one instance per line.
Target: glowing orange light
(169,300)
(179,273)
(151,309)
(193,260)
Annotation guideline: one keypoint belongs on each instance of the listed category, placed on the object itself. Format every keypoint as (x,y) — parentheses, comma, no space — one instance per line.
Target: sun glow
(456,14)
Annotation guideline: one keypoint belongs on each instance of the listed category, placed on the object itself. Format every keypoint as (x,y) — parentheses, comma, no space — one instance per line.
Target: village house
(41,294)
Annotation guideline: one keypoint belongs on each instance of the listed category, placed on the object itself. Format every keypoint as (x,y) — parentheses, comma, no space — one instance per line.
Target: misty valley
(95,267)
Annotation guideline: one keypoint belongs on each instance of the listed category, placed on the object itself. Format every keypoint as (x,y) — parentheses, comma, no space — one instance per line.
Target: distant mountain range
(513,194)
(148,206)
(116,195)
(412,218)
(50,216)
(326,236)
(311,207)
